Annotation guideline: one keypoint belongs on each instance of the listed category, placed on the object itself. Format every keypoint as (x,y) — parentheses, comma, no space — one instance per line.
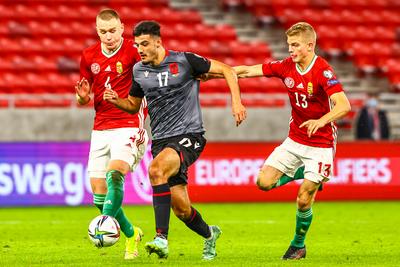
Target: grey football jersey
(172,93)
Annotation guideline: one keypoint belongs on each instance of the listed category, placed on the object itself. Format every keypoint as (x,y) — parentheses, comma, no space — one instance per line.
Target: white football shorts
(126,144)
(290,155)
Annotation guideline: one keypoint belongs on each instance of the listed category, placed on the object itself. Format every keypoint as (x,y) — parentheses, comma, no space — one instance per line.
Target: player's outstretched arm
(341,108)
(238,110)
(241,71)
(249,71)
(130,104)
(82,91)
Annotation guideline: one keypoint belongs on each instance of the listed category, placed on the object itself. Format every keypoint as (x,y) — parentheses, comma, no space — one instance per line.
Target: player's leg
(115,178)
(98,159)
(183,209)
(268,177)
(305,198)
(99,189)
(318,167)
(279,169)
(284,179)
(165,164)
(125,154)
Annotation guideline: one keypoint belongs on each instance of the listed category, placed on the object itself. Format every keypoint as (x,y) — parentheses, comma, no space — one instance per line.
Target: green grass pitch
(342,234)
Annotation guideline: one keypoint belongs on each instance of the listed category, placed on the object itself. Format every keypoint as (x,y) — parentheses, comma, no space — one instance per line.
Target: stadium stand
(44,40)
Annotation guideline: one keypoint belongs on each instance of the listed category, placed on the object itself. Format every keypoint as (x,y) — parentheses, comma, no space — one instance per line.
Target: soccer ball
(104,231)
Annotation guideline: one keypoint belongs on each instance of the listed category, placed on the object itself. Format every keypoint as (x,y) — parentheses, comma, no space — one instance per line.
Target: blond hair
(108,14)
(302,28)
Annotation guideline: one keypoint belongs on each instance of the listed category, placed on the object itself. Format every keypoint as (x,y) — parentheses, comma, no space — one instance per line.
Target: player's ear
(310,47)
(158,42)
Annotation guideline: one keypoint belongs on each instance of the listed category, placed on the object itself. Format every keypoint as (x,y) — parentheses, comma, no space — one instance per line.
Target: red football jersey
(309,92)
(114,71)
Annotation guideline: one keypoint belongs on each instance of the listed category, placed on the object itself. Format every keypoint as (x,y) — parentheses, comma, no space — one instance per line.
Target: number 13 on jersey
(301,100)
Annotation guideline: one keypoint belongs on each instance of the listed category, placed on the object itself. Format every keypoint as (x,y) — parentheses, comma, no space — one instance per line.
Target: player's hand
(239,112)
(110,96)
(82,88)
(312,126)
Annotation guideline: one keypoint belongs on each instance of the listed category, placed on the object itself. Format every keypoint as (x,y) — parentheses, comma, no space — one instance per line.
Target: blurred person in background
(372,122)
(317,100)
(118,139)
(168,81)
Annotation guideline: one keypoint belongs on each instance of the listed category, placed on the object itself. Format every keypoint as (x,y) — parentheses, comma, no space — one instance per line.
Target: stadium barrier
(55,173)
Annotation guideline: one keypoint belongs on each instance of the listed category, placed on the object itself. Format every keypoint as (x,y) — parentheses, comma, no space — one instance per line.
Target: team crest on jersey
(310,88)
(119,67)
(95,68)
(328,74)
(289,82)
(174,69)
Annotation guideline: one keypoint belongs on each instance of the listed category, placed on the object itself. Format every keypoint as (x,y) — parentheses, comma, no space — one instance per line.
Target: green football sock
(98,200)
(303,222)
(286,179)
(115,193)
(124,223)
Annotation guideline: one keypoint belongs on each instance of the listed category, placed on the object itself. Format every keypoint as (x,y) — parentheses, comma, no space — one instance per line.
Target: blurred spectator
(372,123)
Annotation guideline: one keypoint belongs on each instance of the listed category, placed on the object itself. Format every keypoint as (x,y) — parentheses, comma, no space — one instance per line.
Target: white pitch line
(248,222)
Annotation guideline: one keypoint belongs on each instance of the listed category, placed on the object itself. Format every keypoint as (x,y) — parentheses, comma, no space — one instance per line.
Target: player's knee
(263,183)
(155,173)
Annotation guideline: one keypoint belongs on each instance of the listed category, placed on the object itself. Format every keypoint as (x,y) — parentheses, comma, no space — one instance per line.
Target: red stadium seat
(264,102)
(4,103)
(190,17)
(350,18)
(18,29)
(6,12)
(199,48)
(23,12)
(214,86)
(42,103)
(214,102)
(6,64)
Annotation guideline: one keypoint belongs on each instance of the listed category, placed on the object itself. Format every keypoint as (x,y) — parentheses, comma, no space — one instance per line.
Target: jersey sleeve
(85,69)
(274,68)
(198,63)
(329,81)
(136,89)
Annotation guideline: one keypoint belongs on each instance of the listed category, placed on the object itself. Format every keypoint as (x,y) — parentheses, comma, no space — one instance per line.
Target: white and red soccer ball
(104,231)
